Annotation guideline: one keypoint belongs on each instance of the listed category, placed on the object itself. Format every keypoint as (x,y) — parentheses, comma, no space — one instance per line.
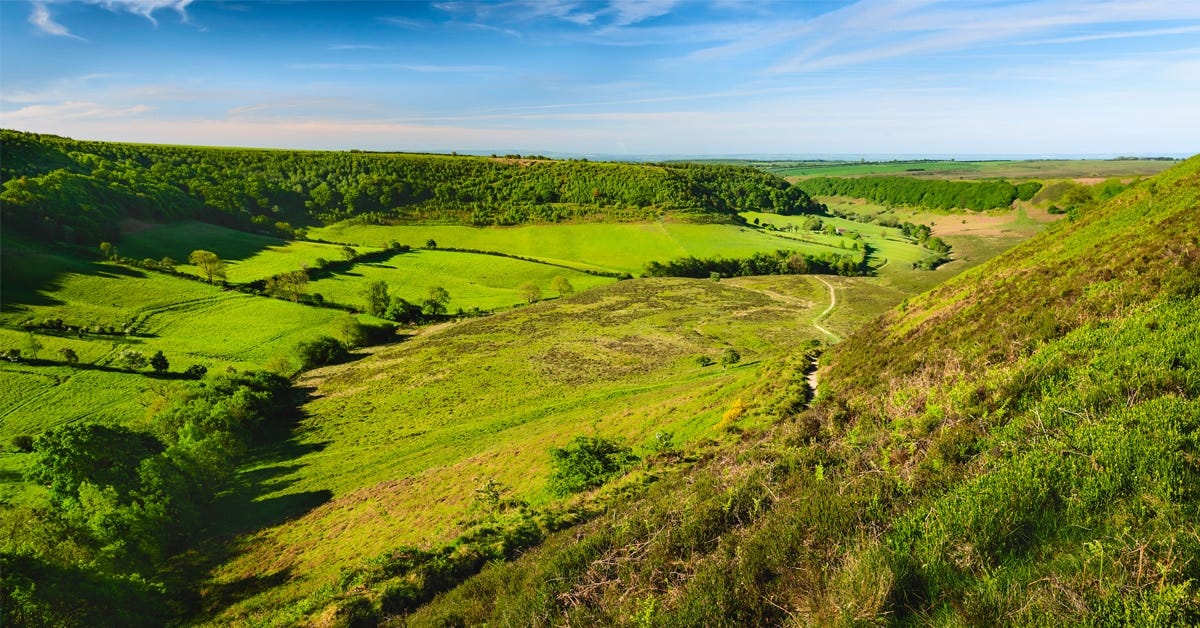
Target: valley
(366,412)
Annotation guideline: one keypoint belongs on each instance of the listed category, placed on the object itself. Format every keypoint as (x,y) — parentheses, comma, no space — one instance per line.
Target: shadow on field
(259,498)
(29,274)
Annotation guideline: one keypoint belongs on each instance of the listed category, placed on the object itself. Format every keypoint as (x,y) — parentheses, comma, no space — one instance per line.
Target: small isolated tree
(348,253)
(530,292)
(376,296)
(562,286)
(435,305)
(431,243)
(107,250)
(68,355)
(208,263)
(730,357)
(33,346)
(587,462)
(159,362)
(132,359)
(704,360)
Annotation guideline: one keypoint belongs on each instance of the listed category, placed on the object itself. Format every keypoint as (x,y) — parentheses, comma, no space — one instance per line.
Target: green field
(189,321)
(249,256)
(624,247)
(1002,169)
(487,282)
(401,439)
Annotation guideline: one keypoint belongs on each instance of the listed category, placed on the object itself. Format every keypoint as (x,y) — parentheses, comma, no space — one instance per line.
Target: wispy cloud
(40,16)
(70,111)
(42,19)
(608,15)
(408,67)
(1157,32)
(146,8)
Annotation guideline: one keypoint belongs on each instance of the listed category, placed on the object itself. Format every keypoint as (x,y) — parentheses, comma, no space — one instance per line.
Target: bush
(322,351)
(195,371)
(587,462)
(23,443)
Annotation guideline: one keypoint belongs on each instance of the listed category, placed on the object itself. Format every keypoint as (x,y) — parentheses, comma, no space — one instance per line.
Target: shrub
(195,371)
(587,462)
(321,351)
(23,443)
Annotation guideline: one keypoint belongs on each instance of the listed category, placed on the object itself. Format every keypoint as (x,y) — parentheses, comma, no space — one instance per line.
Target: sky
(613,77)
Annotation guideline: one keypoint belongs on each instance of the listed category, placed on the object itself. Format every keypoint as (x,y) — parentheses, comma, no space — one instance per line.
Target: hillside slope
(60,189)
(1017,446)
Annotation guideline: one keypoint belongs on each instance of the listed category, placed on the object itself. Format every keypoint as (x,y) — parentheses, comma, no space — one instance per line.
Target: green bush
(587,462)
(322,351)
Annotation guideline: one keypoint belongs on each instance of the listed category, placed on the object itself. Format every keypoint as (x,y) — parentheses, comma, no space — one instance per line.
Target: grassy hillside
(1016,446)
(403,439)
(118,309)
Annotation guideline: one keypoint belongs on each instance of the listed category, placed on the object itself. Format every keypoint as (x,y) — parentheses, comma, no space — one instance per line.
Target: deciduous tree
(530,292)
(209,263)
(562,286)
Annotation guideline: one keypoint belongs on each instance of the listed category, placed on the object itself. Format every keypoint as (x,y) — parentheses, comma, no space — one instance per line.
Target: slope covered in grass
(1018,446)
(117,309)
(404,439)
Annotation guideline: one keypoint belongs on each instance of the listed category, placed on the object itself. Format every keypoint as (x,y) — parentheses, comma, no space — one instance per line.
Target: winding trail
(832,303)
(811,378)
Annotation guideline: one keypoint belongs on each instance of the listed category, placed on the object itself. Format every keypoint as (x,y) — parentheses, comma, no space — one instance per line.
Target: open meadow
(402,439)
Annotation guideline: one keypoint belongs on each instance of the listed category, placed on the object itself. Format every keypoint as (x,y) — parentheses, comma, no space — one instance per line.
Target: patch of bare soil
(971,225)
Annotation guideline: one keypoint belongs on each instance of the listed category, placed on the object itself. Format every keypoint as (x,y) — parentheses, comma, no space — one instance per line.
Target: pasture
(487,282)
(189,321)
(620,247)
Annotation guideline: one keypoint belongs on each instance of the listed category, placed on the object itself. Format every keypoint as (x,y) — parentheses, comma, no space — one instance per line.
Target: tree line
(61,189)
(931,193)
(780,262)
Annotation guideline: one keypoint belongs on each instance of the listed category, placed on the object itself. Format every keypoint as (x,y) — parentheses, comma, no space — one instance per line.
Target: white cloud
(42,19)
(145,8)
(69,111)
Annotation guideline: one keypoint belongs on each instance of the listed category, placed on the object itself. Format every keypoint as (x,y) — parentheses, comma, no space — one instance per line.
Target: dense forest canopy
(934,194)
(62,189)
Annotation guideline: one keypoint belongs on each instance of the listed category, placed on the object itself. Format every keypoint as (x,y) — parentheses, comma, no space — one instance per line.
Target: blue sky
(615,77)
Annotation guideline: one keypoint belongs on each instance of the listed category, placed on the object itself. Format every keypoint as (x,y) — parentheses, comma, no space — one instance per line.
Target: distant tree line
(60,189)
(930,193)
(780,262)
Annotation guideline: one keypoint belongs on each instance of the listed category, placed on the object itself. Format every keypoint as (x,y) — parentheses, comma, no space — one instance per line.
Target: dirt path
(832,303)
(812,375)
